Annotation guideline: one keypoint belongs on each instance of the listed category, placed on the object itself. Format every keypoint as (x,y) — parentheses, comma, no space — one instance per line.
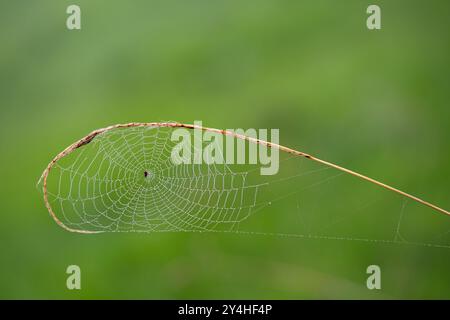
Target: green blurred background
(374,101)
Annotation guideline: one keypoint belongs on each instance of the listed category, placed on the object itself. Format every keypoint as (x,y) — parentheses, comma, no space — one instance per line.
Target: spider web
(124,180)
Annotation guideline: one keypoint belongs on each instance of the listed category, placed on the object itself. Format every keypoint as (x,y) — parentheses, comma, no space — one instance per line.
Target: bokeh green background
(375,101)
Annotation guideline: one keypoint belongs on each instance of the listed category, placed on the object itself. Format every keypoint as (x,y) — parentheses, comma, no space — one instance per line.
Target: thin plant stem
(87,139)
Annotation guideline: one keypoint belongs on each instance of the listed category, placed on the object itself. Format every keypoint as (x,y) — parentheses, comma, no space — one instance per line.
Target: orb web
(125,180)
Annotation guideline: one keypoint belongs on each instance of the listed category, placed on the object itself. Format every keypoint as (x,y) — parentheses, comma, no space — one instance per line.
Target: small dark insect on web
(145,174)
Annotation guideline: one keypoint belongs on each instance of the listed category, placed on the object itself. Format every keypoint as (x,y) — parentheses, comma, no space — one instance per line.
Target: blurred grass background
(374,101)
